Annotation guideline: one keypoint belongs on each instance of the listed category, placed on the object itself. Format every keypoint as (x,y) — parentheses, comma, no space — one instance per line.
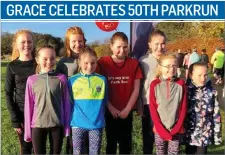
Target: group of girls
(85,94)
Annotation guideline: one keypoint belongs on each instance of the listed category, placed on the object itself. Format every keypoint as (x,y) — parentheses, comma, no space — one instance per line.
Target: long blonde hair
(15,52)
(71,31)
(160,61)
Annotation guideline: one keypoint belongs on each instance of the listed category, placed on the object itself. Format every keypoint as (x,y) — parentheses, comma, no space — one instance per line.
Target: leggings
(69,144)
(95,139)
(147,132)
(190,149)
(25,147)
(167,147)
(119,131)
(39,138)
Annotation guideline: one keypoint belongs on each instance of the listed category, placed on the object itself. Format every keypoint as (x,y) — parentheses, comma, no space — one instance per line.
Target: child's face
(157,45)
(168,68)
(199,75)
(88,63)
(119,48)
(46,59)
(24,44)
(76,42)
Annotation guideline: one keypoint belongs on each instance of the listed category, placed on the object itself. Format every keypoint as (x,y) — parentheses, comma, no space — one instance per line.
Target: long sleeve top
(218,59)
(203,123)
(168,106)
(47,103)
(148,64)
(89,94)
(17,73)
(68,66)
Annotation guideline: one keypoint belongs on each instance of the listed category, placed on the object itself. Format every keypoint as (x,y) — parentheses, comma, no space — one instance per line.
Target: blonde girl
(167,106)
(148,63)
(17,72)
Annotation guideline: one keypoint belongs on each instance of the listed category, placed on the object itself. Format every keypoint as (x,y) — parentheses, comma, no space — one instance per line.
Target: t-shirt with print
(121,78)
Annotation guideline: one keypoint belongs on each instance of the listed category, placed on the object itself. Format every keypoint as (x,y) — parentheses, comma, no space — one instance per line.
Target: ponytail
(15,52)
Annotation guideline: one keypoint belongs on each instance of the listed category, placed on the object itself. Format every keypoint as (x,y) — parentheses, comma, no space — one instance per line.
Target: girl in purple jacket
(47,105)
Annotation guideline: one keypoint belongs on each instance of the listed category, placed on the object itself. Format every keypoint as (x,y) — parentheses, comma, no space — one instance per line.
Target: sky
(58,29)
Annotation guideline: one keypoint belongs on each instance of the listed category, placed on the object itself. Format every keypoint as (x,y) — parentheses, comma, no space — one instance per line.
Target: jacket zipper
(167,89)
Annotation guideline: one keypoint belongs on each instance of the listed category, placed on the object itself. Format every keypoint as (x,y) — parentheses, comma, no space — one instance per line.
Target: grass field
(9,141)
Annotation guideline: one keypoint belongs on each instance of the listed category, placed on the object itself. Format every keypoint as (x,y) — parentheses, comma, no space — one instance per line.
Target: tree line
(179,35)
(101,48)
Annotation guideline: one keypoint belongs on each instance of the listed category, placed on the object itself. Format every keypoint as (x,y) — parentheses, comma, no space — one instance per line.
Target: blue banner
(121,10)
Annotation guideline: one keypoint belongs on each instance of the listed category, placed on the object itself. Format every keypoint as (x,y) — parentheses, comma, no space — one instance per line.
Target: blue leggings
(95,139)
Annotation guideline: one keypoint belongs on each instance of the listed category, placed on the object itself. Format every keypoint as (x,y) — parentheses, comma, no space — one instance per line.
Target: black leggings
(25,147)
(118,130)
(196,149)
(147,131)
(39,138)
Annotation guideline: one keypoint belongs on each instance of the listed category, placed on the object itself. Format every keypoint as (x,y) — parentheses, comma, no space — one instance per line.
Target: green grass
(10,144)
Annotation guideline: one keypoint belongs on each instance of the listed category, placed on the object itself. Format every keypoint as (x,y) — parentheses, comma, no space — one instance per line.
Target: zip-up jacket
(89,94)
(47,103)
(17,73)
(168,106)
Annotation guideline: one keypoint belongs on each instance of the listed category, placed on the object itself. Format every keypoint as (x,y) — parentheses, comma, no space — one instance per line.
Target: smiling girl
(47,105)
(17,72)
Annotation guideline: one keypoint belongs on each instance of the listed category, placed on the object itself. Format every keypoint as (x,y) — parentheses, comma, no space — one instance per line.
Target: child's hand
(113,111)
(124,113)
(18,130)
(140,112)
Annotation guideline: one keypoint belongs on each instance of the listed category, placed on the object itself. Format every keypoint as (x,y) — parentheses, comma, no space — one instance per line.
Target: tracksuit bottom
(118,131)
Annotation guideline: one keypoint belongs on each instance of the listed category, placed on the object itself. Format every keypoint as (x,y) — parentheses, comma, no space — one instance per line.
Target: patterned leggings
(95,138)
(167,147)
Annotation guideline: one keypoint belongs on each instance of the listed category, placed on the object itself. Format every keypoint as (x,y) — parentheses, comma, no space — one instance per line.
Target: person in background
(180,58)
(68,65)
(185,62)
(217,60)
(74,43)
(204,57)
(148,63)
(194,57)
(22,65)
